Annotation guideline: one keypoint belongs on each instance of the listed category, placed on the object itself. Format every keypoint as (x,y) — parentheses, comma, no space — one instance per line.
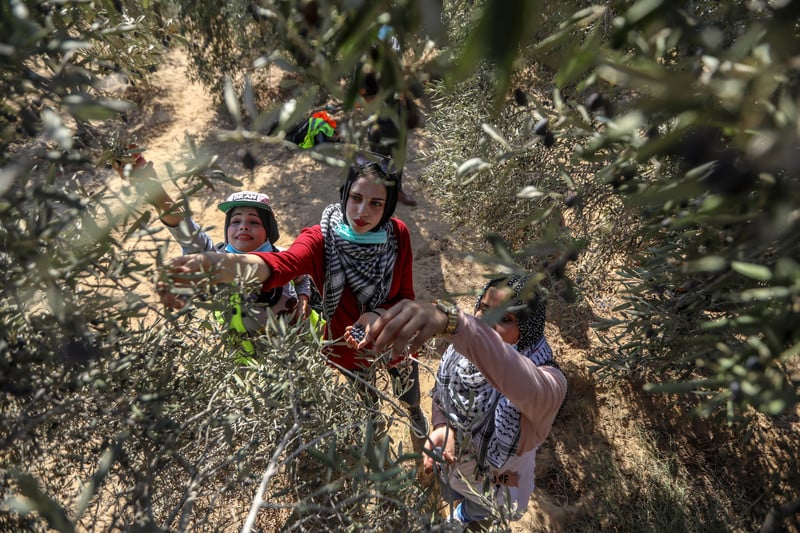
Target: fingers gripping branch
(406,325)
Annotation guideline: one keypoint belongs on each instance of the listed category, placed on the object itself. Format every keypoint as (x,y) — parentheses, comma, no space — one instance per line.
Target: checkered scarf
(366,268)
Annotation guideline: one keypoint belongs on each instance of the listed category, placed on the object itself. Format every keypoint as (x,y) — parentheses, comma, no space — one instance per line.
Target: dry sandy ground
(300,188)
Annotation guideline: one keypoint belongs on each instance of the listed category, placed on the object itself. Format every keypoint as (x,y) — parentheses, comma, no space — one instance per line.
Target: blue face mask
(266,247)
(371,237)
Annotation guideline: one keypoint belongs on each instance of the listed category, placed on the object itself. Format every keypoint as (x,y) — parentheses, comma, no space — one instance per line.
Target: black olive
(571,198)
(417,89)
(595,101)
(520,97)
(754,363)
(248,161)
(736,391)
(541,127)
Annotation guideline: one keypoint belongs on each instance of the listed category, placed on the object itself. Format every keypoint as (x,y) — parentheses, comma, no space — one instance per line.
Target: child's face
(508,326)
(365,204)
(246,232)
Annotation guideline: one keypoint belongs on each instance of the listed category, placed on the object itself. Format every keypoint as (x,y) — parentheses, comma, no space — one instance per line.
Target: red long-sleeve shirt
(307,256)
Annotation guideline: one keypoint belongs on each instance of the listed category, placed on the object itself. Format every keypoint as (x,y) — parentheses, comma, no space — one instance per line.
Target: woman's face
(245,231)
(366,202)
(508,326)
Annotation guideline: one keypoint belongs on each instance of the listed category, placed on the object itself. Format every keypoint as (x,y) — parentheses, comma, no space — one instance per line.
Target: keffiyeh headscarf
(367,268)
(472,404)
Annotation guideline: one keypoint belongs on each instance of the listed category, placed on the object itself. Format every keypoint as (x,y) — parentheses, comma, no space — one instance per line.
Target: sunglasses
(372,161)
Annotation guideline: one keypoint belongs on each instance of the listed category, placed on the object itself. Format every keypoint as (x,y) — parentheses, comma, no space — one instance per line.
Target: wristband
(451,311)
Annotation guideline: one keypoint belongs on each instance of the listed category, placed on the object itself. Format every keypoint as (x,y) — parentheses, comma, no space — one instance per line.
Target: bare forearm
(153,192)
(228,267)
(222,268)
(168,211)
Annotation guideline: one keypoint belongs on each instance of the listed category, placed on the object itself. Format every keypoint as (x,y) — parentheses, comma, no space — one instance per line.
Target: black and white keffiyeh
(367,268)
(473,405)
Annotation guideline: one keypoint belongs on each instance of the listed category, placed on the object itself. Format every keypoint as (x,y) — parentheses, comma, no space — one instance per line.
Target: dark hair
(371,87)
(367,164)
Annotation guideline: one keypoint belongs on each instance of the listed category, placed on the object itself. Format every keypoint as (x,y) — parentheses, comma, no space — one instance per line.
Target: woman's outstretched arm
(216,268)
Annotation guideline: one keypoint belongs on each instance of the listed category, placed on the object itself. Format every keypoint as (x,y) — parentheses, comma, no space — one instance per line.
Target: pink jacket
(537,391)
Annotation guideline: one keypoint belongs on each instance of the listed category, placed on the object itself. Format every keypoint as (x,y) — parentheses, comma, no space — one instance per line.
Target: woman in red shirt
(360,259)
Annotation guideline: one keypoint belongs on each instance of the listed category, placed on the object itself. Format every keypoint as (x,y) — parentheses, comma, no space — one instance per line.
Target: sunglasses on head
(376,161)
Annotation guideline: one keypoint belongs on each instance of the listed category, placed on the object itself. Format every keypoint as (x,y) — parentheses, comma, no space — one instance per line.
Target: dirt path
(300,188)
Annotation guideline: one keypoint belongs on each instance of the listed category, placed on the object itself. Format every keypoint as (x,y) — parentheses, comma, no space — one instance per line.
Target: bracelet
(451,311)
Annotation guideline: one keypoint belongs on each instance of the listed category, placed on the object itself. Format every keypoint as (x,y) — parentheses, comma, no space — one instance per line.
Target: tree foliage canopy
(667,147)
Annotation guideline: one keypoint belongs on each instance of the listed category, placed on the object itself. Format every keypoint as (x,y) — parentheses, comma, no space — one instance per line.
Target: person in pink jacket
(497,393)
(359,257)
